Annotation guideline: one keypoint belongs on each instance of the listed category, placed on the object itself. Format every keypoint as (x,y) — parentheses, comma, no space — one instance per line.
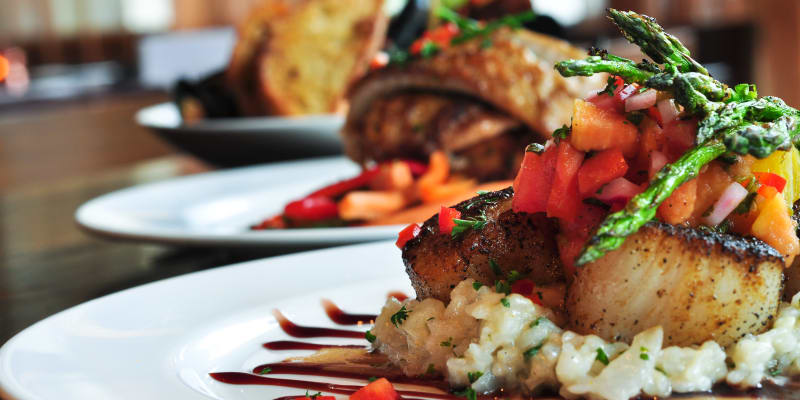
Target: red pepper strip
(407,234)
(770,179)
(311,209)
(339,188)
(446,217)
(526,288)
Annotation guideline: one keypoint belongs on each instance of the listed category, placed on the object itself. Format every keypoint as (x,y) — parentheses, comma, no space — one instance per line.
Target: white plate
(217,208)
(160,341)
(246,141)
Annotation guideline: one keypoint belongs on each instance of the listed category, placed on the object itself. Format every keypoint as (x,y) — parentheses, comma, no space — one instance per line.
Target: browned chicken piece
(514,241)
(477,139)
(697,285)
(514,75)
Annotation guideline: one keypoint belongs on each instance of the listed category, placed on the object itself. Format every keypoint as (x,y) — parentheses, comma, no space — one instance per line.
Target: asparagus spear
(733,120)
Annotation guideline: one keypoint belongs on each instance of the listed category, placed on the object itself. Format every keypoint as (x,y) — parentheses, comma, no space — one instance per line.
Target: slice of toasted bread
(317,52)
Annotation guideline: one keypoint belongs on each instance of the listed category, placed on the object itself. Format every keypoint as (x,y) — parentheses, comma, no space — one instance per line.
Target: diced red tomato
(380,389)
(653,113)
(525,287)
(407,234)
(770,179)
(564,201)
(314,208)
(441,36)
(767,191)
(446,217)
(342,187)
(602,168)
(595,128)
(680,136)
(534,181)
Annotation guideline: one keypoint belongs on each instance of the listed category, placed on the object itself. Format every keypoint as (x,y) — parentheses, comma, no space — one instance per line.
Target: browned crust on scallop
(515,75)
(515,241)
(697,285)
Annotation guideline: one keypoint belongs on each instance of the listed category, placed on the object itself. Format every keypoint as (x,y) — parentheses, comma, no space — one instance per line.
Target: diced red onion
(657,161)
(668,110)
(731,197)
(640,101)
(626,92)
(618,190)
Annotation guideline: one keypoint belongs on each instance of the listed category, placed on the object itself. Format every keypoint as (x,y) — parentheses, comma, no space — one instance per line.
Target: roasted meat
(697,285)
(514,241)
(511,80)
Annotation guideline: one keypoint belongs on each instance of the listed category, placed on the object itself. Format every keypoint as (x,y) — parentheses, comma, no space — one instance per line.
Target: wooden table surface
(54,158)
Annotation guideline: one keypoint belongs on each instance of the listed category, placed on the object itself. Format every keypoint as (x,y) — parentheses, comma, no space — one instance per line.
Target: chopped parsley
(563,132)
(476,285)
(429,49)
(505,303)
(471,29)
(602,356)
(265,371)
(532,352)
(644,356)
(514,276)
(447,343)
(495,268)
(369,336)
(611,86)
(313,396)
(462,225)
(746,204)
(774,371)
(659,369)
(474,376)
(431,369)
(468,392)
(536,147)
(372,379)
(537,322)
(400,316)
(502,287)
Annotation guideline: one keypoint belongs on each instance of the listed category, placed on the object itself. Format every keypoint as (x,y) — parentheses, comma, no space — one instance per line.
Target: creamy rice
(487,341)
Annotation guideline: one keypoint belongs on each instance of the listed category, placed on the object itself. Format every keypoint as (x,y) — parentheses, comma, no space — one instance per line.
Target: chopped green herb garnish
(469,393)
(659,369)
(746,204)
(537,322)
(532,352)
(476,285)
(471,29)
(635,117)
(611,86)
(644,356)
(535,148)
(474,376)
(447,343)
(265,371)
(482,192)
(400,316)
(502,287)
(431,369)
(774,370)
(369,336)
(514,276)
(462,225)
(372,379)
(313,396)
(505,303)
(429,49)
(602,356)
(495,268)
(562,133)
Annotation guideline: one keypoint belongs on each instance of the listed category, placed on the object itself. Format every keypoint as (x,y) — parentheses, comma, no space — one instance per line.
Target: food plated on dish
(641,251)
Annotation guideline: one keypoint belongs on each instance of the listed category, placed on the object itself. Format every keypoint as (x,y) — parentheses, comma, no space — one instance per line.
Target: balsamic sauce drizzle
(790,391)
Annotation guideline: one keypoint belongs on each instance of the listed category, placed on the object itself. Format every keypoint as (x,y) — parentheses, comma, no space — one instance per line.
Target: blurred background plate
(218,208)
(231,142)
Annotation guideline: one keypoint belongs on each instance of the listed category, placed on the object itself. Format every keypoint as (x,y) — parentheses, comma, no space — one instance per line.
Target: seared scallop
(437,262)
(697,285)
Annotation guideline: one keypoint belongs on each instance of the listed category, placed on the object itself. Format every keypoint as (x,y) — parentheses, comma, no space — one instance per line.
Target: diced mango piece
(775,227)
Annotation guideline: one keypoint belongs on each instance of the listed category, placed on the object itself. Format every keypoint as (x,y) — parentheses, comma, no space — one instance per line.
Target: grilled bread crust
(298,57)
(514,241)
(697,285)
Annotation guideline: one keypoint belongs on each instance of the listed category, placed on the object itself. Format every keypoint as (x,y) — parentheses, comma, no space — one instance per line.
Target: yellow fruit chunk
(787,165)
(775,227)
